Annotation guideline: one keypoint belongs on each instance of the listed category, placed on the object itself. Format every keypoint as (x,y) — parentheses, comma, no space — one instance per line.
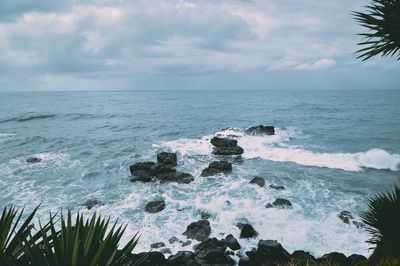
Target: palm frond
(382,20)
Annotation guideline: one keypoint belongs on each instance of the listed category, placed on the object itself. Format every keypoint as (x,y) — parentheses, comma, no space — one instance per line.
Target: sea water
(332,151)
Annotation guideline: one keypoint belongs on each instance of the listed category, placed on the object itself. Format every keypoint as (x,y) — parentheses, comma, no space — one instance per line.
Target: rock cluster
(260,130)
(226,146)
(164,170)
(217,167)
(348,218)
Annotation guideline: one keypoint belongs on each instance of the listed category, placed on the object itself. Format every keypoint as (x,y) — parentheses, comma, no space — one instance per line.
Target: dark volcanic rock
(334,257)
(151,259)
(141,176)
(260,130)
(174,239)
(157,245)
(159,169)
(166,251)
(217,167)
(279,203)
(345,216)
(90,203)
(167,159)
(225,146)
(268,253)
(33,160)
(205,215)
(277,187)
(175,177)
(232,242)
(303,258)
(212,252)
(199,230)
(237,150)
(355,259)
(258,180)
(183,258)
(247,231)
(223,142)
(141,166)
(155,206)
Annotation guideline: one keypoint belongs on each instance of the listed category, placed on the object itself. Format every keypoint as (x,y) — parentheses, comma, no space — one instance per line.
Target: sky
(186,45)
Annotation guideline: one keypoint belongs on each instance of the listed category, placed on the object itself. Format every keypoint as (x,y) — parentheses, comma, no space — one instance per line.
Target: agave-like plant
(382,20)
(383,223)
(84,242)
(14,238)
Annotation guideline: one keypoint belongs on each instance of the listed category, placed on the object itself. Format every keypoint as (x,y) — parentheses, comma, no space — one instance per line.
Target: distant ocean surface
(332,151)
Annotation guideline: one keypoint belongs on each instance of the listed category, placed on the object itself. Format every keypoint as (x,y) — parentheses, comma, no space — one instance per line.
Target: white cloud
(317,65)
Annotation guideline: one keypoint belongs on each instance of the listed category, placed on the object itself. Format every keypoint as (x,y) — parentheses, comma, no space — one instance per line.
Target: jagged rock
(258,180)
(302,258)
(280,203)
(155,206)
(141,176)
(183,258)
(355,259)
(160,169)
(157,245)
(90,203)
(272,251)
(141,166)
(166,251)
(167,158)
(247,231)
(223,142)
(278,187)
(232,242)
(175,177)
(334,257)
(212,252)
(226,146)
(237,150)
(33,160)
(260,130)
(345,216)
(151,259)
(217,167)
(199,230)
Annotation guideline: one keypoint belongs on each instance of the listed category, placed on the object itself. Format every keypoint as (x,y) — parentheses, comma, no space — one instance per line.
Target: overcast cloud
(105,44)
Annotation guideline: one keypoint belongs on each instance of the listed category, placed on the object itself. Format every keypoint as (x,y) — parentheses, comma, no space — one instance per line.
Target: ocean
(332,151)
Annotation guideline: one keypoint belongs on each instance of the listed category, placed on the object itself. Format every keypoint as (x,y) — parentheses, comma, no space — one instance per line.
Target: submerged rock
(157,245)
(345,216)
(167,158)
(260,130)
(90,203)
(33,160)
(155,206)
(247,231)
(280,203)
(277,187)
(217,167)
(175,177)
(258,180)
(226,146)
(199,230)
(205,215)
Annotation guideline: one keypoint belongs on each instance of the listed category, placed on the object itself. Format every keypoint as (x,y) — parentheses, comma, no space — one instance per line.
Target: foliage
(383,223)
(382,20)
(65,241)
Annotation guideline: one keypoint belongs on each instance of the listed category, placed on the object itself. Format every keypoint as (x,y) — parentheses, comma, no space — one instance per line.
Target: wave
(6,136)
(277,148)
(28,118)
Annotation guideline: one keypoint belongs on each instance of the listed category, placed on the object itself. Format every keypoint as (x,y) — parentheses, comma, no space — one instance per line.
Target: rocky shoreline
(225,251)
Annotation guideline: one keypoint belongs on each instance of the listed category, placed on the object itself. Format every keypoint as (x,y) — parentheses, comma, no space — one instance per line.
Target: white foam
(5,136)
(277,148)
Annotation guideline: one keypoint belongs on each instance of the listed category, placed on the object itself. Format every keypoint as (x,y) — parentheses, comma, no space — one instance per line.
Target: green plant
(383,223)
(382,20)
(84,242)
(13,239)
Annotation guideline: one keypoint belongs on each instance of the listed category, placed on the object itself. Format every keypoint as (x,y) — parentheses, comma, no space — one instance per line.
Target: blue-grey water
(332,151)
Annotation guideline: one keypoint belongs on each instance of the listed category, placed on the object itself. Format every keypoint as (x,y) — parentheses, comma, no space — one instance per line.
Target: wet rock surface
(280,203)
(260,130)
(155,206)
(226,146)
(217,167)
(33,160)
(90,203)
(258,180)
(199,230)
